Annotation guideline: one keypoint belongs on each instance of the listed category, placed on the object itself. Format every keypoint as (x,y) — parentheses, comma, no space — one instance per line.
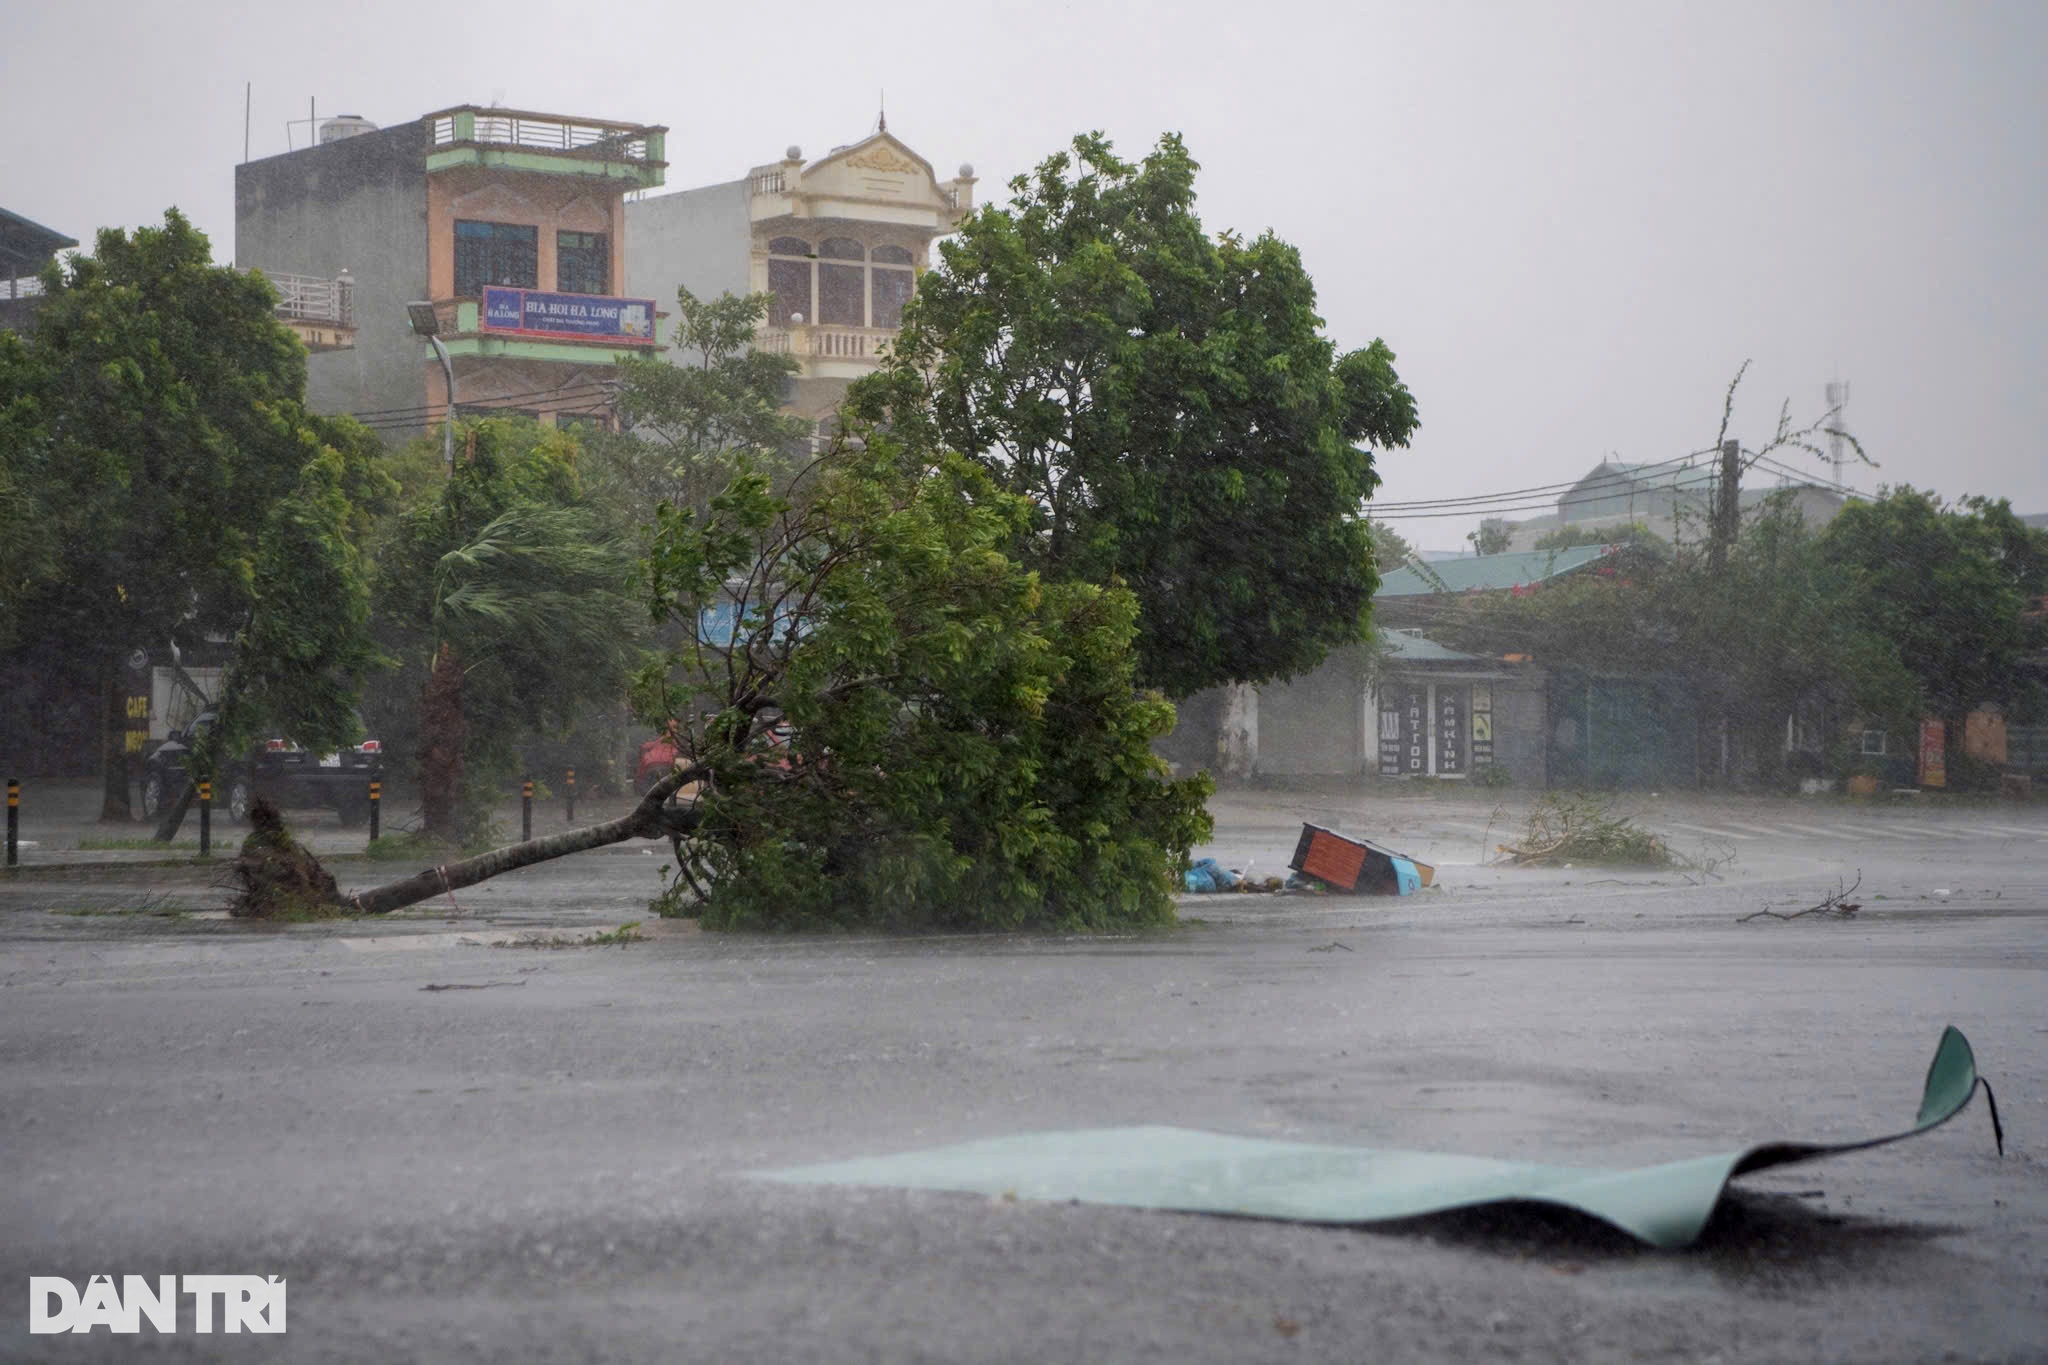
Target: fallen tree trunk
(651,819)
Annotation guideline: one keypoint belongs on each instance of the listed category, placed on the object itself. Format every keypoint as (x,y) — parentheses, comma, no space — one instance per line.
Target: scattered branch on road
(1579,829)
(1836,904)
(468,985)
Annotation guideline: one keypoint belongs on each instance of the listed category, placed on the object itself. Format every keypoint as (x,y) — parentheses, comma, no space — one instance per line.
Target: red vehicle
(659,754)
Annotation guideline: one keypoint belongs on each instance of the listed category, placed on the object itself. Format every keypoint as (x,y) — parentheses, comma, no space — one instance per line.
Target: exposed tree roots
(274,874)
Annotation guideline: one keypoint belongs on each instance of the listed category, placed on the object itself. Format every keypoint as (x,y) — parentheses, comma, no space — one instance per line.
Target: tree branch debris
(1836,904)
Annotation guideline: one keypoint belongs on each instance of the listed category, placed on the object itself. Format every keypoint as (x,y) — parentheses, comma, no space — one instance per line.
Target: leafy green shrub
(967,749)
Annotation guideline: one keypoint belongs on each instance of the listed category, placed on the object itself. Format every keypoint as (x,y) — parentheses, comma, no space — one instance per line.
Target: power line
(373,416)
(507,401)
(1539,489)
(438,410)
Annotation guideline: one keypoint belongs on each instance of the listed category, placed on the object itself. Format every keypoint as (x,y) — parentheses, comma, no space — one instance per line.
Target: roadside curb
(85,872)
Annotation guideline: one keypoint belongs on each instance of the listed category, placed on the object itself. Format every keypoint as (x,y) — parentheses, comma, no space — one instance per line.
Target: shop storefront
(1435,728)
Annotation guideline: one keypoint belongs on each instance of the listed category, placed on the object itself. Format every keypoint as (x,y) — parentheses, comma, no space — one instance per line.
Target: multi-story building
(25,248)
(837,242)
(509,224)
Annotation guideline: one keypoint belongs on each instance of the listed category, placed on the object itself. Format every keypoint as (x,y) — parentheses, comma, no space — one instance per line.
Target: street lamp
(427,323)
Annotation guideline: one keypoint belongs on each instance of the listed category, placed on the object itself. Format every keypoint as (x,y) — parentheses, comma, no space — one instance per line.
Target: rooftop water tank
(344,125)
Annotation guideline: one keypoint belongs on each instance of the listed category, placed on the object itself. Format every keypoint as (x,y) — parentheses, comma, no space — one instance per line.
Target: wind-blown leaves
(1167,403)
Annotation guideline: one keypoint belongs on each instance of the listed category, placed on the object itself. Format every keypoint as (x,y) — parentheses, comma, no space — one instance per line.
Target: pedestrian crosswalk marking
(1769,831)
(1711,831)
(1826,831)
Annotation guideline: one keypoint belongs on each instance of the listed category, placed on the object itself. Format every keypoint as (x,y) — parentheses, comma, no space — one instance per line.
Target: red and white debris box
(1357,865)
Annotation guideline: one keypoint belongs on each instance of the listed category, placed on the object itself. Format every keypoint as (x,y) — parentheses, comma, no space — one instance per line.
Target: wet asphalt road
(552,1166)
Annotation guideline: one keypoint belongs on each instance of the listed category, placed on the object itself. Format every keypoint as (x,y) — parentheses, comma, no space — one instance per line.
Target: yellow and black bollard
(572,796)
(526,813)
(376,806)
(205,818)
(13,821)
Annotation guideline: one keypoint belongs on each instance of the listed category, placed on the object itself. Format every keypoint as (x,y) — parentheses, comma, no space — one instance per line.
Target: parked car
(276,769)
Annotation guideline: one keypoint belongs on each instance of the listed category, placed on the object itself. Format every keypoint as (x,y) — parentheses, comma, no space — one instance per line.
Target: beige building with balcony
(838,242)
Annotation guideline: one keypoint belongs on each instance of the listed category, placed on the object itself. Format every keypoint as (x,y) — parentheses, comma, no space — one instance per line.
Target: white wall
(700,238)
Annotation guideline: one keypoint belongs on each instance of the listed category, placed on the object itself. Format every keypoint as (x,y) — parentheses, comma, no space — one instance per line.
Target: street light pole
(427,323)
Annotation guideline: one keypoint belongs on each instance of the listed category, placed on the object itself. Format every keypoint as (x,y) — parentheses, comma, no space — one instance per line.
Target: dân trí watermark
(246,1303)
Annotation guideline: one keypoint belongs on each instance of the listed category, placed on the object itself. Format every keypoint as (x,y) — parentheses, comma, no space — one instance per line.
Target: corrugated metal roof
(1488,573)
(1411,648)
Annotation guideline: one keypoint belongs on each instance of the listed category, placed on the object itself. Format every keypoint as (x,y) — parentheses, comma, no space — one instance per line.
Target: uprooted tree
(954,743)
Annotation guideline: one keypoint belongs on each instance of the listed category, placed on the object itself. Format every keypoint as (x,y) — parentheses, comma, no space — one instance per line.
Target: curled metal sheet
(1181,1169)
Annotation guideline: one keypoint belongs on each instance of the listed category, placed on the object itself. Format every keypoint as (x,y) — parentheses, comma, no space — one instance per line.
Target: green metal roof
(1487,573)
(1410,648)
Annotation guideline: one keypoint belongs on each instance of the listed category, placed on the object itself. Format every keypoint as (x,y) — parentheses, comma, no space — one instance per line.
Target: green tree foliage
(155,444)
(1948,586)
(308,619)
(966,746)
(1167,403)
(511,611)
(1773,631)
(1390,549)
(1629,533)
(685,425)
(1492,538)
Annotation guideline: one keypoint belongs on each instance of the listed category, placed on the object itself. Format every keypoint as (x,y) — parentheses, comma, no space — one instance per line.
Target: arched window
(893,281)
(789,280)
(843,249)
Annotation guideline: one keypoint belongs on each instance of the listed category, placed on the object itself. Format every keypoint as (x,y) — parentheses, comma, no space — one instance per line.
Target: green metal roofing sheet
(1176,1168)
(1488,573)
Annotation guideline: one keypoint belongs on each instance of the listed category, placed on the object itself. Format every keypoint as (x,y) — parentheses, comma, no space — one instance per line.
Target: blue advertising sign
(567,315)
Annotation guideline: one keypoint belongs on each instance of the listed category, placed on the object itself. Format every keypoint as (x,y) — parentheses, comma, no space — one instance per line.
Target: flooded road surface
(546,1163)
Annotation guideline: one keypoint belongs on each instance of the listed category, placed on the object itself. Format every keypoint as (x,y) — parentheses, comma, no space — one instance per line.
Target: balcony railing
(27,287)
(305,298)
(766,180)
(826,343)
(547,132)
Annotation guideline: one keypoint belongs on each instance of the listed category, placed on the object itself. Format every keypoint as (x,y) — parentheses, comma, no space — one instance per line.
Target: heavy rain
(1028,683)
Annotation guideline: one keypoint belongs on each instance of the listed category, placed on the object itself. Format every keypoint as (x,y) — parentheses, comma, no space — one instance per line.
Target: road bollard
(13,821)
(205,818)
(376,806)
(572,796)
(526,813)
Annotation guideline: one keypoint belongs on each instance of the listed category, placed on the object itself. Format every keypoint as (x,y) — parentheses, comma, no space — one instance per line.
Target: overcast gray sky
(1571,221)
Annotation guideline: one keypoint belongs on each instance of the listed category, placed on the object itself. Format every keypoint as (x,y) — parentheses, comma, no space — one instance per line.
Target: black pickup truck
(276,769)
